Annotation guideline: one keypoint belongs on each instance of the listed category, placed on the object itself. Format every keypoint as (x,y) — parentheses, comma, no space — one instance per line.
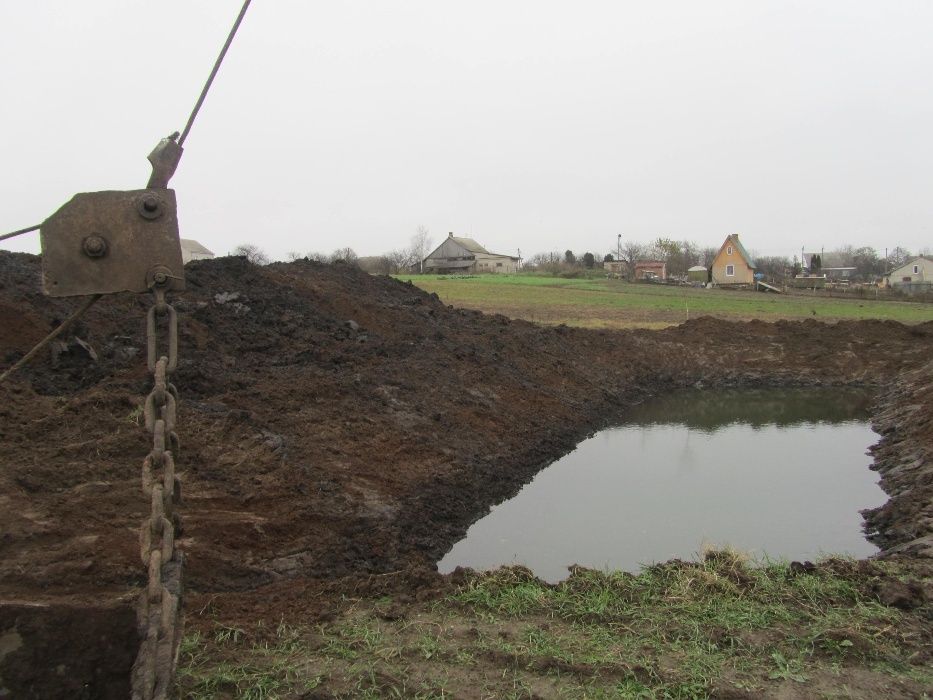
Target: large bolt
(149,206)
(95,246)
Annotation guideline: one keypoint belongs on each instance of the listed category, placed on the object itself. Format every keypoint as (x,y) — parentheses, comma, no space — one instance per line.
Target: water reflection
(779,474)
(710,410)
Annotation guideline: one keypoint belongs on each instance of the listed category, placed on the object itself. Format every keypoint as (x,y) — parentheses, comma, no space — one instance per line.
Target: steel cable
(194,112)
(210,78)
(65,325)
(20,232)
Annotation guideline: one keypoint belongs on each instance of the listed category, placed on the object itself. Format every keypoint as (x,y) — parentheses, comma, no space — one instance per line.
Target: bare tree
(548,262)
(868,266)
(375,264)
(632,252)
(898,257)
(253,253)
(401,260)
(420,245)
(346,255)
(707,255)
(678,255)
(774,267)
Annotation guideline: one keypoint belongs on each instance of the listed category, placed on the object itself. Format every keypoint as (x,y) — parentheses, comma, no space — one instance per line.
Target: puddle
(775,473)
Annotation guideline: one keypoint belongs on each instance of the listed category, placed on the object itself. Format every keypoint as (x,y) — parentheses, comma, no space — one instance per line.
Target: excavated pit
(336,425)
(773,473)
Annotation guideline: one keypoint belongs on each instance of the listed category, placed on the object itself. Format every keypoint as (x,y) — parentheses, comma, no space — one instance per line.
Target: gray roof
(470,245)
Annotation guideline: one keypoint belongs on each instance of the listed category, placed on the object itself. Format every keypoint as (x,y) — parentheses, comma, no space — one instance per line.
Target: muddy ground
(336,425)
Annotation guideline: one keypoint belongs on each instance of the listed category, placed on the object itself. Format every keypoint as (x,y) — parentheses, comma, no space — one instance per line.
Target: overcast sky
(533,125)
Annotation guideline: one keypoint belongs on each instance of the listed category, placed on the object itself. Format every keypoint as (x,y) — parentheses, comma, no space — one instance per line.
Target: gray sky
(534,125)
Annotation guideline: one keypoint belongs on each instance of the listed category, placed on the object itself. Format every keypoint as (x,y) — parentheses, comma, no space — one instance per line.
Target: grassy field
(606,303)
(717,628)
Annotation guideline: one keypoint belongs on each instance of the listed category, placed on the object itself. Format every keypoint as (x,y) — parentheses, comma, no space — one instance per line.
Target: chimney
(450,234)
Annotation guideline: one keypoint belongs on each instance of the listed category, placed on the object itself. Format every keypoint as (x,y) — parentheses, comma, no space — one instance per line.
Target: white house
(915,275)
(192,250)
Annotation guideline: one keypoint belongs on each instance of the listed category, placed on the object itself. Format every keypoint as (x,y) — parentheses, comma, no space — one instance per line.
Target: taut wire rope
(20,232)
(210,78)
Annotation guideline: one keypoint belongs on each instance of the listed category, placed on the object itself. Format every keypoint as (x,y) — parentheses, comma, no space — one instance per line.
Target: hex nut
(149,206)
(94,246)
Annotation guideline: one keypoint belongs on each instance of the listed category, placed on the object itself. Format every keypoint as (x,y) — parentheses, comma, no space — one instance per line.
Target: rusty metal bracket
(108,242)
(164,160)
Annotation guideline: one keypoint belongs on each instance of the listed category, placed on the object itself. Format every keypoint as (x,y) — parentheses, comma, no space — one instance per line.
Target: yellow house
(732,264)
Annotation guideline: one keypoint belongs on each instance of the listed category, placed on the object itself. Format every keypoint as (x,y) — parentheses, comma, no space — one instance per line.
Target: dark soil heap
(336,426)
(334,422)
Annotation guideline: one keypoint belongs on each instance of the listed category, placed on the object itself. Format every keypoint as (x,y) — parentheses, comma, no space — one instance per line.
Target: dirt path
(337,424)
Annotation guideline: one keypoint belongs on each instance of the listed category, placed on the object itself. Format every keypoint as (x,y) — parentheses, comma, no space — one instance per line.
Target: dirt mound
(339,432)
(334,422)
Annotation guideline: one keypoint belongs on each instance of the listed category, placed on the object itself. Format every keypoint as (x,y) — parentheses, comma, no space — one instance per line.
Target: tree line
(395,261)
(680,256)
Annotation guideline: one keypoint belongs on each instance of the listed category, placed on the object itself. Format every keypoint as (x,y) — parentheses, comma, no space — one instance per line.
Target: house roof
(192,246)
(910,262)
(734,238)
(469,244)
(697,268)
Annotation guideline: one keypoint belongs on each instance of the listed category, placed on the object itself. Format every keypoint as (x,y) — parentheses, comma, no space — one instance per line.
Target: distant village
(664,261)
(680,262)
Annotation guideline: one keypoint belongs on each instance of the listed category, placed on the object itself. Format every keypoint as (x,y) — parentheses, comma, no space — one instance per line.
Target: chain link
(159,607)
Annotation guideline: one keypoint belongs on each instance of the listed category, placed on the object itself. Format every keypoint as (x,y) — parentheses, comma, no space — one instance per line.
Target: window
(730,270)
(729,250)
(916,269)
(498,264)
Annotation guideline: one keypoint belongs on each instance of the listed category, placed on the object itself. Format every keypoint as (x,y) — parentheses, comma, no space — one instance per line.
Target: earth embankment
(335,423)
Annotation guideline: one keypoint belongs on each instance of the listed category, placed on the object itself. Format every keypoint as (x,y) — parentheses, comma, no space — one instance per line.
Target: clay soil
(338,427)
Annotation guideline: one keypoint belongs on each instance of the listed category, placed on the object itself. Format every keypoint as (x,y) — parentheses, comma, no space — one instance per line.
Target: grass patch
(677,630)
(606,303)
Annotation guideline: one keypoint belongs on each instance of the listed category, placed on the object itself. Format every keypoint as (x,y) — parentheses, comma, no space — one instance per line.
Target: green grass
(672,631)
(718,619)
(604,302)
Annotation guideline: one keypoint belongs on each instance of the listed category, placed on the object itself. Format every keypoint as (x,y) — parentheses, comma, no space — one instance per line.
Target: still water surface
(779,474)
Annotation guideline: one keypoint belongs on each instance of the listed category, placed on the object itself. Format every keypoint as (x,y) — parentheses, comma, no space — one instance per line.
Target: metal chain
(159,610)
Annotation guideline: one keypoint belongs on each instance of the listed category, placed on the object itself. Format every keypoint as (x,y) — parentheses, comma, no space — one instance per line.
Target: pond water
(775,473)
